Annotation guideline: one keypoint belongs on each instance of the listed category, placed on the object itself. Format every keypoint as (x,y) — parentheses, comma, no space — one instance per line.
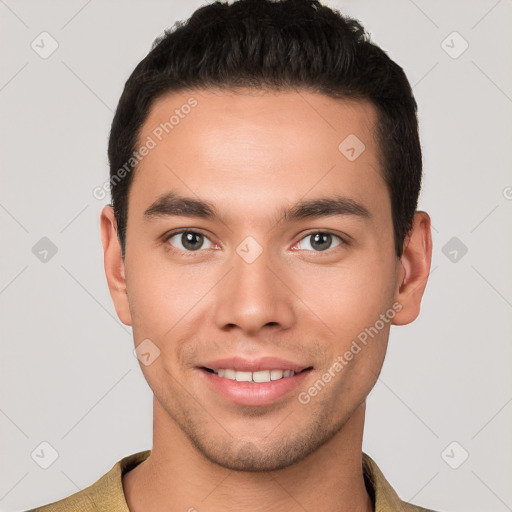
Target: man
(262,239)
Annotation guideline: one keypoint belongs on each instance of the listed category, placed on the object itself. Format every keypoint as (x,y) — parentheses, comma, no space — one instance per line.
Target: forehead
(252,146)
(315,115)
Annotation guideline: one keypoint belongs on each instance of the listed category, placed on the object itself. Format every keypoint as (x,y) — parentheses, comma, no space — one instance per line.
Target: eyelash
(168,236)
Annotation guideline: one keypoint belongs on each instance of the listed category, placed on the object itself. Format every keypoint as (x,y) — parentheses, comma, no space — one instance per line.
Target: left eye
(319,242)
(189,241)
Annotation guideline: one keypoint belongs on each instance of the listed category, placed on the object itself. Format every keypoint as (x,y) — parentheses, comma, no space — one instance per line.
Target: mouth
(254,382)
(257,377)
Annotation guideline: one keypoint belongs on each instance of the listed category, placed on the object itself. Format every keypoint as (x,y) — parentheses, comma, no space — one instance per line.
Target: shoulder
(105,494)
(409,507)
(383,495)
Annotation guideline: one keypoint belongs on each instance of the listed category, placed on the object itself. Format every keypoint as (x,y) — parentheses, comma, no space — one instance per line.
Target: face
(258,256)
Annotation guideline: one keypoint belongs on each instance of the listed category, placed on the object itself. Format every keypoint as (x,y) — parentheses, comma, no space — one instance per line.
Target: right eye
(189,241)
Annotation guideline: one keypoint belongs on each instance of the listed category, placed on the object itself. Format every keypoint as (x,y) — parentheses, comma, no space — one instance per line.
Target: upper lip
(242,364)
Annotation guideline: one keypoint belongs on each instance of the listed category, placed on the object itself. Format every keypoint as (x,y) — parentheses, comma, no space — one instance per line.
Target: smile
(255,377)
(255,383)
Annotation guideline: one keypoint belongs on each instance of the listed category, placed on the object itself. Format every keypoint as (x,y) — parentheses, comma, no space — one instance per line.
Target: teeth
(276,374)
(259,376)
(243,376)
(230,374)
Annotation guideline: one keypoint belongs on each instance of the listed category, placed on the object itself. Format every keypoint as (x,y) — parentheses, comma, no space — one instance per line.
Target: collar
(108,494)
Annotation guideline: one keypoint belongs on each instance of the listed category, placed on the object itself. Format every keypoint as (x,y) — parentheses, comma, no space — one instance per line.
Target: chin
(265,456)
(250,458)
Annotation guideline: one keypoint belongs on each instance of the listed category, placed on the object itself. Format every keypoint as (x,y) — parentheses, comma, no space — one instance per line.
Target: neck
(176,477)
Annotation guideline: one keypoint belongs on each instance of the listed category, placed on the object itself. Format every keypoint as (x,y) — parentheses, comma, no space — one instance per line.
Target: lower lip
(258,393)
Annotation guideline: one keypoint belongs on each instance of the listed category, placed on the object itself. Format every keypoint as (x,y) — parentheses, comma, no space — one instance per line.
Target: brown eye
(189,241)
(319,241)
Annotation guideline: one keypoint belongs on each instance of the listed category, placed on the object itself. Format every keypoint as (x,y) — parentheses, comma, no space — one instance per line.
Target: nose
(251,298)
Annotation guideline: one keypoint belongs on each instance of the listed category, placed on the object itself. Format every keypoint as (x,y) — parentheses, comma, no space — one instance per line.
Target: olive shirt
(107,495)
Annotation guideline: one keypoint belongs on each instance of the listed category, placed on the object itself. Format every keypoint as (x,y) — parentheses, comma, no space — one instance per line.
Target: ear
(114,264)
(415,269)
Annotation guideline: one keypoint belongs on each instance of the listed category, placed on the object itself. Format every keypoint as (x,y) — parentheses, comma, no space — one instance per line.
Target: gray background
(68,373)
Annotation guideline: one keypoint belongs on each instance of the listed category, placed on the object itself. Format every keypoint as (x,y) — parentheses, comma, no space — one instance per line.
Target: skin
(251,153)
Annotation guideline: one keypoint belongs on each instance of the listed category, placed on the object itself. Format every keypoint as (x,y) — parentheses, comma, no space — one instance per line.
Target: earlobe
(114,264)
(415,268)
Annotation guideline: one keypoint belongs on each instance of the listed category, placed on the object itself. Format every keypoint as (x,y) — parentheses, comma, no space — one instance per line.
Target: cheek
(163,297)
(155,296)
(349,298)
(352,307)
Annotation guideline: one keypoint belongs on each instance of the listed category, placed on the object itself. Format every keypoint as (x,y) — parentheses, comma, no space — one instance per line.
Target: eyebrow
(171,204)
